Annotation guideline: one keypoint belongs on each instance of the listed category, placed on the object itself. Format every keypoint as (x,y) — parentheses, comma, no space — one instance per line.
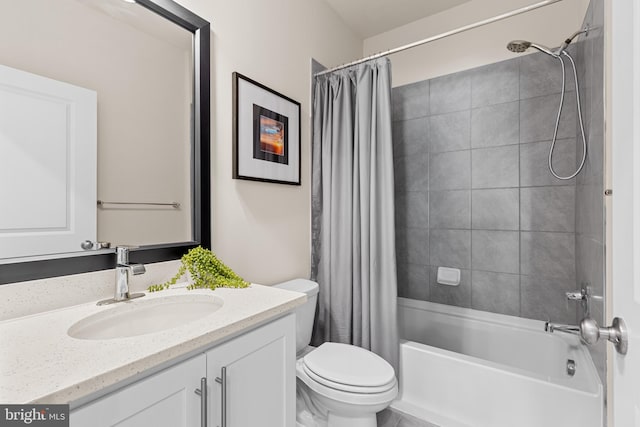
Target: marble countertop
(40,363)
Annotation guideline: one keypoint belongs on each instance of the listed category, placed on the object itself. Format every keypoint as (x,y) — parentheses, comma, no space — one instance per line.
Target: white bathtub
(466,368)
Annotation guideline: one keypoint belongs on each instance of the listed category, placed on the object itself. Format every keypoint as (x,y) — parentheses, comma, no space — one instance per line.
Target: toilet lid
(349,365)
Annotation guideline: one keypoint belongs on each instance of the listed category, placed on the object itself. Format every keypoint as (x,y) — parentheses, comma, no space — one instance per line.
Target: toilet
(338,385)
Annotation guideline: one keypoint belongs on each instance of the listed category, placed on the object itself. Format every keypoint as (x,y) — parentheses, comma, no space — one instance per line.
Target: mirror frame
(200,171)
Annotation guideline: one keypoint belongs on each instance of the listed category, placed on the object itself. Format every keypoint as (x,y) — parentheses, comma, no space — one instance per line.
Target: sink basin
(139,317)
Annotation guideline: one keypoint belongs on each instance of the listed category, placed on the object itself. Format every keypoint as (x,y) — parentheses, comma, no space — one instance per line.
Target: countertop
(40,363)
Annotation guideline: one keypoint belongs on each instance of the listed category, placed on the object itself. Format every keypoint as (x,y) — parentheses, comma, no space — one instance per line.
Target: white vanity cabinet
(257,387)
(252,379)
(165,399)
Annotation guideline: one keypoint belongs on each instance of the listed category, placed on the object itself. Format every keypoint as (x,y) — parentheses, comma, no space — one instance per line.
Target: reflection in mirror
(140,65)
(148,65)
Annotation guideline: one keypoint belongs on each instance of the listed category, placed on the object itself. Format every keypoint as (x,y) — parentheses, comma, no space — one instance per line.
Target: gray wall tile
(410,137)
(548,254)
(497,209)
(544,299)
(450,93)
(495,83)
(534,169)
(590,266)
(417,244)
(453,295)
(589,189)
(495,292)
(489,130)
(496,251)
(548,208)
(412,173)
(495,125)
(401,244)
(410,101)
(450,171)
(413,281)
(450,132)
(590,211)
(450,248)
(495,167)
(450,209)
(541,75)
(538,117)
(412,209)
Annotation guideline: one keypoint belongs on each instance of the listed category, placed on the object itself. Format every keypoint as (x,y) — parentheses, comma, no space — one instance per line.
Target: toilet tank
(304,313)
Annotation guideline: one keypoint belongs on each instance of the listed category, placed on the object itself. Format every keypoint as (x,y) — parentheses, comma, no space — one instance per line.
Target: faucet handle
(576,295)
(122,253)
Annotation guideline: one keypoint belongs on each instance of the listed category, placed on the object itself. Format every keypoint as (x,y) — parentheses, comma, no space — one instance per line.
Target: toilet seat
(349,368)
(347,387)
(345,397)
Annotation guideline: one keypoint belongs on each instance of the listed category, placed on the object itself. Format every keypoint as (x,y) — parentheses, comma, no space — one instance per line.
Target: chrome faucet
(123,271)
(569,329)
(588,330)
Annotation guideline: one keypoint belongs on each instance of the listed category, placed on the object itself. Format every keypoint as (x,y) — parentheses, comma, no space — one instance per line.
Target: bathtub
(466,368)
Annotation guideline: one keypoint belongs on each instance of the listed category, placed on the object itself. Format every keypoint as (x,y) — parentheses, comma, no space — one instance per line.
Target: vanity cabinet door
(253,377)
(163,399)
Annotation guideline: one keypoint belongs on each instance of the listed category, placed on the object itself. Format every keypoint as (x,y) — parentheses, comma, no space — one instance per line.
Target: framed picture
(266,133)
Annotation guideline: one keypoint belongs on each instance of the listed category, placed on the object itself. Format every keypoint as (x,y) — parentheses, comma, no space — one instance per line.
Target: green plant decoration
(206,271)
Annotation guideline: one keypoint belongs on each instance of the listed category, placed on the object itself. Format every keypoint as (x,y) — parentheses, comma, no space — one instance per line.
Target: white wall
(262,230)
(549,26)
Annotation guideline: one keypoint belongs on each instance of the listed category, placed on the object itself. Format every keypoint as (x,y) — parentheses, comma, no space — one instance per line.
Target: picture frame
(266,133)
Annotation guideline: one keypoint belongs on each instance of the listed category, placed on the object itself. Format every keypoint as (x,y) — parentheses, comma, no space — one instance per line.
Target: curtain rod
(443,35)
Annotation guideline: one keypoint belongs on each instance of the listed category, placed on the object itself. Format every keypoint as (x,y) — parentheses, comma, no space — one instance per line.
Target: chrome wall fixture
(443,35)
(520,46)
(588,329)
(174,205)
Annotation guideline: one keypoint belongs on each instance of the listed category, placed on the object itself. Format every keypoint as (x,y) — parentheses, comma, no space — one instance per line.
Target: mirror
(150,71)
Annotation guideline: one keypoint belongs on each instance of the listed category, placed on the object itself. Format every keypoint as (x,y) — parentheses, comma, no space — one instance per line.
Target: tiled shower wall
(590,236)
(473,190)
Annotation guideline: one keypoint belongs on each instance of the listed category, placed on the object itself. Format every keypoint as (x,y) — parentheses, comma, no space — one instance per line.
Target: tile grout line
(519,190)
(470,197)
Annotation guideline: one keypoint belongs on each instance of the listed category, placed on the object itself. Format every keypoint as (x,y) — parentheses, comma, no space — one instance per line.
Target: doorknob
(590,333)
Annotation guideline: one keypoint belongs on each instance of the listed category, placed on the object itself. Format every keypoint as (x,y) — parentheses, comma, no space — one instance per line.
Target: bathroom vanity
(233,365)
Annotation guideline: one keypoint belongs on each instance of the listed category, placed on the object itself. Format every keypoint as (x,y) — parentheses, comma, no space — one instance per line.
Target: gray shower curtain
(354,258)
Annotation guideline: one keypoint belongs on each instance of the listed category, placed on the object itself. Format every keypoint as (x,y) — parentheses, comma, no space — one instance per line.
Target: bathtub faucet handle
(584,297)
(576,295)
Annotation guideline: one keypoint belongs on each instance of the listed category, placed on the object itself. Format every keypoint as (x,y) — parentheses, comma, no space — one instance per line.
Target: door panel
(48,142)
(166,399)
(624,138)
(260,377)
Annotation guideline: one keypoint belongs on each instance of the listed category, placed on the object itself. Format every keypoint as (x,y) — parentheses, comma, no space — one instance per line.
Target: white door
(623,123)
(48,141)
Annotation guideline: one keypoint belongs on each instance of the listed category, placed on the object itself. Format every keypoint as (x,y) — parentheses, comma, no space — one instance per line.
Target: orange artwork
(271,136)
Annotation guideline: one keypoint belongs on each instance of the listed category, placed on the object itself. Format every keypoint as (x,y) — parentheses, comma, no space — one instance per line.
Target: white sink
(145,316)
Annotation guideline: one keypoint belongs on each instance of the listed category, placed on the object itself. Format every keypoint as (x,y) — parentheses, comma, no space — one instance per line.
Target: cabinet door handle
(222,380)
(202,392)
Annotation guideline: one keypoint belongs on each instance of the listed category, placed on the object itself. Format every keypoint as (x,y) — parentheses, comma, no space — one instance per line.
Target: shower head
(519,46)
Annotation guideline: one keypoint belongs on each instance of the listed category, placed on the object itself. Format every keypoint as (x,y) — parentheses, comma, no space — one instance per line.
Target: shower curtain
(353,257)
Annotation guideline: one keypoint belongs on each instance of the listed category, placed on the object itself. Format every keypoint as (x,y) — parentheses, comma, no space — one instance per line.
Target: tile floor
(392,418)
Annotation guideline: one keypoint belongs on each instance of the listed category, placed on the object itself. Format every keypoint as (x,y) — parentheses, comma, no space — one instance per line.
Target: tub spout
(569,329)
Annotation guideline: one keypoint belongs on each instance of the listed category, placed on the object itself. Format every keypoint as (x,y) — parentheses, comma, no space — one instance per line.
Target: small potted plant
(206,271)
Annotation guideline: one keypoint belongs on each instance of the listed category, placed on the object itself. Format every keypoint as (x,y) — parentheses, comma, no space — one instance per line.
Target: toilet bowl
(339,385)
